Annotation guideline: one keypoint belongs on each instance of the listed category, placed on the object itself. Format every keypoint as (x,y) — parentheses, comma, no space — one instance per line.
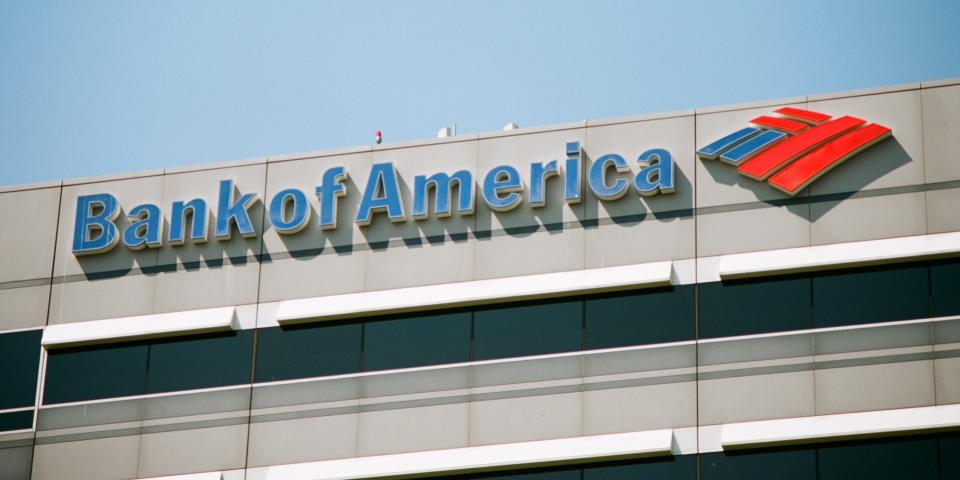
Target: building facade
(676,296)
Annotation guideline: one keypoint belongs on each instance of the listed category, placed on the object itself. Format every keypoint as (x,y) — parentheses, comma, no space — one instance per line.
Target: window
(683,467)
(878,460)
(949,453)
(16,420)
(89,373)
(558,473)
(21,349)
(945,288)
(527,329)
(204,361)
(871,295)
(744,307)
(639,318)
(412,341)
(308,351)
(788,464)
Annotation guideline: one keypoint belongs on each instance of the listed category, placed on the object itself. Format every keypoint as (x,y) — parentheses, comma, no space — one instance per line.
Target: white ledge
(791,431)
(477,292)
(139,327)
(871,252)
(476,459)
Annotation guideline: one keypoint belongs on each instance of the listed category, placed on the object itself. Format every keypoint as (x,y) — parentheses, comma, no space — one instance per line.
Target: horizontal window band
(726,368)
(479,292)
(292,405)
(541,453)
(845,426)
(140,327)
(840,255)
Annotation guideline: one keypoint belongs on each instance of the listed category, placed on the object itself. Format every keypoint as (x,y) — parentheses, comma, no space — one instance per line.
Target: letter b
(94,231)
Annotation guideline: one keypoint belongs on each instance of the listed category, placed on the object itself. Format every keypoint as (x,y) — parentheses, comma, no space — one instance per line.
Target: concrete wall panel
(113,458)
(941,133)
(521,419)
(193,450)
(28,236)
(874,387)
(753,229)
(649,240)
(24,307)
(632,409)
(302,439)
(868,218)
(942,212)
(413,429)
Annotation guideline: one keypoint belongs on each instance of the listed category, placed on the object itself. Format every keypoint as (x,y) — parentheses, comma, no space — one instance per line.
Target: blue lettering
(443,184)
(146,229)
(572,181)
(382,194)
(94,231)
(329,191)
(230,212)
(657,177)
(502,179)
(197,209)
(278,207)
(539,173)
(598,173)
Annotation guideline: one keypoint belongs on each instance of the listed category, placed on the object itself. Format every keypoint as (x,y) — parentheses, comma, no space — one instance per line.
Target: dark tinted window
(640,318)
(683,467)
(872,295)
(20,358)
(88,373)
(529,329)
(16,421)
(411,341)
(308,351)
(797,464)
(561,473)
(950,456)
(945,288)
(204,361)
(892,459)
(746,307)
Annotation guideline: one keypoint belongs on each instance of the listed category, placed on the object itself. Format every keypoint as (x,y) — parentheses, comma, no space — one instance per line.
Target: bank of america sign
(98,227)
(792,149)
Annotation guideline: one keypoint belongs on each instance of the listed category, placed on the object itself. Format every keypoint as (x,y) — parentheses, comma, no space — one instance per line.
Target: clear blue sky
(96,87)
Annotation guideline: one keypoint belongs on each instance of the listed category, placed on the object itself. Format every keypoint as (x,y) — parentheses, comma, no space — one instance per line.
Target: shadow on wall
(851,176)
(859,171)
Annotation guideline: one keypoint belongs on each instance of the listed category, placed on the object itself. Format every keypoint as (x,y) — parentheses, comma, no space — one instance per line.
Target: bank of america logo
(795,148)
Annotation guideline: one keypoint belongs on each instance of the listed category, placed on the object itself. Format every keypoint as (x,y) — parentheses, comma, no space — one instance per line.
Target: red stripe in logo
(769,161)
(782,124)
(801,114)
(801,173)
